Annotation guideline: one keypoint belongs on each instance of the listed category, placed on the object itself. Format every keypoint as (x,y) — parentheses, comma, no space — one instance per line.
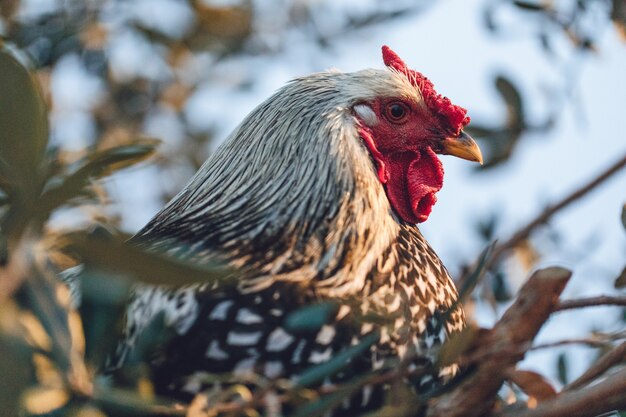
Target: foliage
(51,351)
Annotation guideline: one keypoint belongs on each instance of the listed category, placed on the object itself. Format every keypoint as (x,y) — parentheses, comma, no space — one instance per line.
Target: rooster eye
(396,112)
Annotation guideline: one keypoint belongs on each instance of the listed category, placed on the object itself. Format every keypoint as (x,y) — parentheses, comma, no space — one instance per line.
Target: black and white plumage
(293,202)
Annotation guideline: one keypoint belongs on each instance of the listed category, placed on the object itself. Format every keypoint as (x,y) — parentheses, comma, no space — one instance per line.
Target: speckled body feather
(293,202)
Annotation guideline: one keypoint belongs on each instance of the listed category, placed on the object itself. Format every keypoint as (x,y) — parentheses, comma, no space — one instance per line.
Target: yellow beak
(463,147)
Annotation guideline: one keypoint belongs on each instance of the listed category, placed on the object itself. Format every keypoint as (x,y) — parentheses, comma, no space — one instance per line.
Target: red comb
(452,117)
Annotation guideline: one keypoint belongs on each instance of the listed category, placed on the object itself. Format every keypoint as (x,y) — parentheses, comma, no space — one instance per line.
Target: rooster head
(405,131)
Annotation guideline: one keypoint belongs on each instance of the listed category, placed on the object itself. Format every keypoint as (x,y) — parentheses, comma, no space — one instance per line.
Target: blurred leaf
(15,360)
(561,365)
(513,100)
(618,16)
(8,8)
(406,408)
(156,334)
(102,305)
(624,216)
(500,287)
(39,296)
(104,288)
(331,367)
(23,140)
(105,162)
(479,131)
(49,301)
(44,400)
(498,148)
(326,403)
(86,411)
(311,318)
(109,253)
(498,143)
(226,23)
(23,125)
(533,7)
(620,282)
(15,378)
(457,344)
(533,384)
(470,282)
(120,402)
(95,165)
(486,227)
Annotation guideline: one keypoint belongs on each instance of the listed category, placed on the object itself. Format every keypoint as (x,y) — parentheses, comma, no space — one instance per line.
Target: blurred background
(543,82)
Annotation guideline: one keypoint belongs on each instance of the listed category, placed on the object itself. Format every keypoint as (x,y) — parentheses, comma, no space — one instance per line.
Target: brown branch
(612,357)
(604,396)
(602,300)
(475,395)
(522,234)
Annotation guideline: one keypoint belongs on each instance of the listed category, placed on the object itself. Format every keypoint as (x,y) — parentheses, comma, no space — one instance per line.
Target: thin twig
(523,233)
(592,342)
(602,300)
(612,357)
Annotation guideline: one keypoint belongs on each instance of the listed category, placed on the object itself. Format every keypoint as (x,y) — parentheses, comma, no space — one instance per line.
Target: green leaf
(479,131)
(102,306)
(311,318)
(533,7)
(325,403)
(40,297)
(108,253)
(618,16)
(15,360)
(469,282)
(561,366)
(500,287)
(331,367)
(94,166)
(121,402)
(456,345)
(106,162)
(23,127)
(624,216)
(155,335)
(498,143)
(468,285)
(620,281)
(513,100)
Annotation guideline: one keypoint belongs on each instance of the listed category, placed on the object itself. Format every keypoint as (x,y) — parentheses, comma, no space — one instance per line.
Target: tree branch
(612,357)
(522,234)
(475,395)
(604,396)
(602,300)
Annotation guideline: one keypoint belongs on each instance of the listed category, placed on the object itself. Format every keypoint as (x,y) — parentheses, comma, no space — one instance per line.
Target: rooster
(315,196)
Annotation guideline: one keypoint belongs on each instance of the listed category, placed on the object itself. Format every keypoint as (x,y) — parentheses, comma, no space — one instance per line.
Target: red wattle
(414,179)
(411,178)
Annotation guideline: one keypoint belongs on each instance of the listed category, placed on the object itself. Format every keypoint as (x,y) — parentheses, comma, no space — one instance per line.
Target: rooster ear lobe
(392,60)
